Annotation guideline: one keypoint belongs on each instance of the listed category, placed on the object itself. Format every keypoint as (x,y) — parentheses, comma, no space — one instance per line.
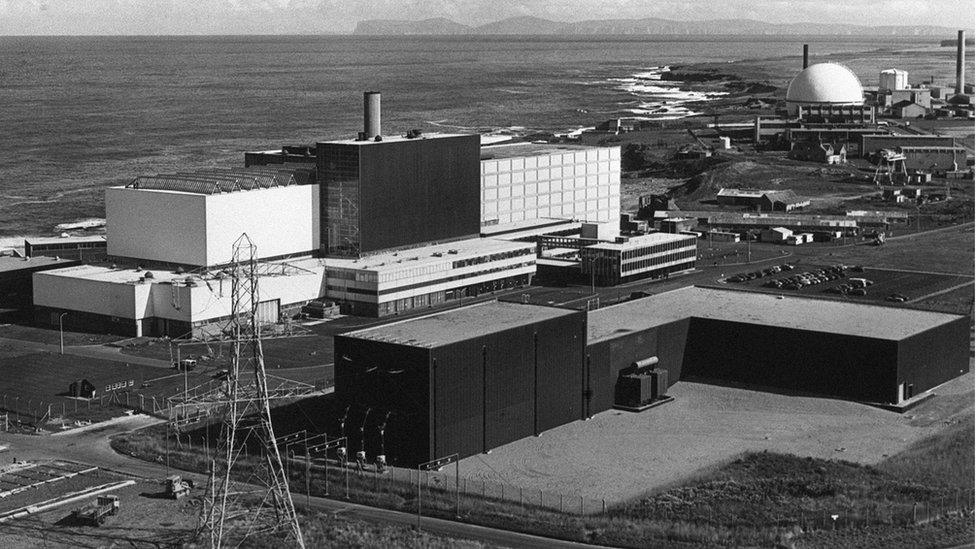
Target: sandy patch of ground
(619,455)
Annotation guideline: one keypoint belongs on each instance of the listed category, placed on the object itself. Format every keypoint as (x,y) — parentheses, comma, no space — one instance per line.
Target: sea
(78,114)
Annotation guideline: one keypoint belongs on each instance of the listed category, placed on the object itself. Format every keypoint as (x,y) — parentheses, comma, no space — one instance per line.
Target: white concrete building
(156,302)
(194,219)
(892,79)
(393,282)
(527,181)
(138,302)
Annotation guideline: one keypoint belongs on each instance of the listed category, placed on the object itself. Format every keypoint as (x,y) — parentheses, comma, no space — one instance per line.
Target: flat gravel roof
(460,324)
(817,315)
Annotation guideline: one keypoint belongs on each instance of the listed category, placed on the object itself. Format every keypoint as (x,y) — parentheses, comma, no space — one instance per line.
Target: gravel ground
(144,520)
(620,455)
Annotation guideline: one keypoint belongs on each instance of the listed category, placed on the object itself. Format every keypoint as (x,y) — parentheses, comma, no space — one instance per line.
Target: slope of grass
(944,459)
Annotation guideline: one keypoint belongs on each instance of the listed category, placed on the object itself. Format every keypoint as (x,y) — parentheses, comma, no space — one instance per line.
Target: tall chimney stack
(371,114)
(806,55)
(961,63)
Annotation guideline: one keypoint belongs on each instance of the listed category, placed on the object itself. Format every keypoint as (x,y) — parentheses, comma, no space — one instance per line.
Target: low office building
(16,277)
(133,301)
(397,281)
(630,258)
(84,248)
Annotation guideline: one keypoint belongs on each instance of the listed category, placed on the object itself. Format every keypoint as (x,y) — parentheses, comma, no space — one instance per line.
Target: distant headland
(649,26)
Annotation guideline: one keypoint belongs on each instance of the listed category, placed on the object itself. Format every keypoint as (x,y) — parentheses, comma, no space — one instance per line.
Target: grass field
(279,353)
(34,381)
(945,251)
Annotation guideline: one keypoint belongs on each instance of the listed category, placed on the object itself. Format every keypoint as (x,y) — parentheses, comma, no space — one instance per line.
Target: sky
(152,17)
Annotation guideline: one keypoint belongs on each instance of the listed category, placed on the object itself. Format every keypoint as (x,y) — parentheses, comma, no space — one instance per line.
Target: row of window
(658,261)
(544,209)
(601,176)
(541,161)
(429,283)
(529,192)
(657,248)
(492,257)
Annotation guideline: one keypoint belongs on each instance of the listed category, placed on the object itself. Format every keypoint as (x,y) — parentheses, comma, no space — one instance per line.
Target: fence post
(581,505)
(604,506)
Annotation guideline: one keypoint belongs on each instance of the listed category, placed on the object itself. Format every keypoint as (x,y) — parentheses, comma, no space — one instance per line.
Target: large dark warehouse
(472,379)
(465,380)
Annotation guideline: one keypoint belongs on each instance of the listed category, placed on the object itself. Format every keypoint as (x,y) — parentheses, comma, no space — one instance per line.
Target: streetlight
(61,330)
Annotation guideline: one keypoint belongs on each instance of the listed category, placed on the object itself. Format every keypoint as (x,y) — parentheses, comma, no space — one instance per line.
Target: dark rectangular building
(400,191)
(466,380)
(855,351)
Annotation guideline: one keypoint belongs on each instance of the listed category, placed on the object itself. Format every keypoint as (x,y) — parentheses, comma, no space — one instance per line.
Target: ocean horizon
(84,113)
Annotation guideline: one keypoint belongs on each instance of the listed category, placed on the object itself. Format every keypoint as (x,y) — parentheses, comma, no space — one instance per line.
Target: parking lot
(846,282)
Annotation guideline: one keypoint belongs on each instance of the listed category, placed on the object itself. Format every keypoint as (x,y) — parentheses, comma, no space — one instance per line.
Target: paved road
(93,447)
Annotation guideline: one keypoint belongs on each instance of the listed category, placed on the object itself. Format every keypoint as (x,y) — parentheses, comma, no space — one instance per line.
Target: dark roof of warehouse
(460,324)
(816,315)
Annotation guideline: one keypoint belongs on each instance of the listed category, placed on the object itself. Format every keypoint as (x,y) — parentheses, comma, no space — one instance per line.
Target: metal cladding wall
(384,377)
(419,190)
(495,389)
(934,356)
(846,366)
(606,358)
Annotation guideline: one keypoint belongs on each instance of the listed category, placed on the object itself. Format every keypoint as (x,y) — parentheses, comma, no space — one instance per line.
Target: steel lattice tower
(237,507)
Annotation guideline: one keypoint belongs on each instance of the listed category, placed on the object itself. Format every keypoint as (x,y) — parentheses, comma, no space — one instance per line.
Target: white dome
(825,83)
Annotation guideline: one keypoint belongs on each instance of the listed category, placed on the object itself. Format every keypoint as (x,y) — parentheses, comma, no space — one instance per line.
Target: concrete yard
(620,455)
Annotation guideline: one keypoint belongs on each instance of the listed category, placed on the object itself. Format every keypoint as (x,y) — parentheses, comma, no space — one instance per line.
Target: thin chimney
(371,114)
(961,63)
(806,55)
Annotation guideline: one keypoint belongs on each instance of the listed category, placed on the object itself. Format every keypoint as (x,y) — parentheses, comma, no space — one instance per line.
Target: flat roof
(394,260)
(34,241)
(642,240)
(10,264)
(818,315)
(394,139)
(529,227)
(460,324)
(515,150)
(130,274)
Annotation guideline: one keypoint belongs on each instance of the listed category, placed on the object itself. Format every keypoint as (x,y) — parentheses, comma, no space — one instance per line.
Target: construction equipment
(95,512)
(176,487)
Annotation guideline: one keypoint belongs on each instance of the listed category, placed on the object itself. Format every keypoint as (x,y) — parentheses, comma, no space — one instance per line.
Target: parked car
(897,298)
(858,292)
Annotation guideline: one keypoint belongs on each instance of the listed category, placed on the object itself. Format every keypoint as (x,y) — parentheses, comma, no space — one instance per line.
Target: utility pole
(61,330)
